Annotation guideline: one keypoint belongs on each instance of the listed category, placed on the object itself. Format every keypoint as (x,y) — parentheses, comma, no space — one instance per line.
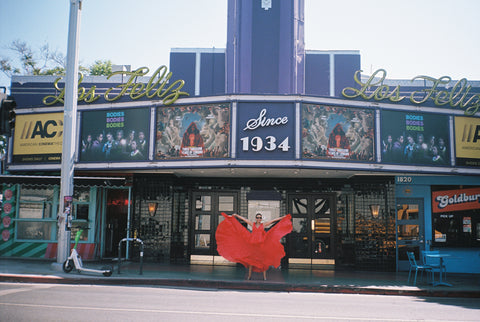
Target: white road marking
(250,315)
(23,289)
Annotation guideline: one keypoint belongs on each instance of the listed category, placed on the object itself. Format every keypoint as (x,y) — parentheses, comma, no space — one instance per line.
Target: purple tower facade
(265,47)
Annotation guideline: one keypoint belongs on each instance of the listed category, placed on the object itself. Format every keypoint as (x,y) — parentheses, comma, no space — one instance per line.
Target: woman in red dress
(256,250)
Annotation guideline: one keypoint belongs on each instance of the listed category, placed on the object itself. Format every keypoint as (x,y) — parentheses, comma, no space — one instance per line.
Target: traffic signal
(7,114)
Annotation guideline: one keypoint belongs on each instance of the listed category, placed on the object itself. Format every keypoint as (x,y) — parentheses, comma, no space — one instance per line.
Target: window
(456,216)
(35,218)
(459,229)
(80,212)
(36,203)
(81,202)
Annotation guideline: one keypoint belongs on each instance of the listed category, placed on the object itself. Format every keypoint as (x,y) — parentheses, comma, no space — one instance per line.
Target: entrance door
(206,215)
(410,230)
(115,220)
(311,244)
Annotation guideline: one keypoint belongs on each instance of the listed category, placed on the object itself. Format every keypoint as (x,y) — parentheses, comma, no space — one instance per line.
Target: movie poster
(338,133)
(115,135)
(415,138)
(196,131)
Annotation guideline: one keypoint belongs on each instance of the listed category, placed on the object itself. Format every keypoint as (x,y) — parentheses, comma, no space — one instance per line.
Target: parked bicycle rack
(120,252)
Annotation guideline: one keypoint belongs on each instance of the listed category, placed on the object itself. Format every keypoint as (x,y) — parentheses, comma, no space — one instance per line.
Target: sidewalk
(234,278)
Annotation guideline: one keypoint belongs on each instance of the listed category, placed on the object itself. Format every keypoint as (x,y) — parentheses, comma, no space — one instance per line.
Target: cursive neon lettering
(444,80)
(55,99)
(142,71)
(159,77)
(381,92)
(175,94)
(455,97)
(154,87)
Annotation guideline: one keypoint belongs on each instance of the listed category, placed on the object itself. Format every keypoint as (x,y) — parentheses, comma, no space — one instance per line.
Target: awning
(55,180)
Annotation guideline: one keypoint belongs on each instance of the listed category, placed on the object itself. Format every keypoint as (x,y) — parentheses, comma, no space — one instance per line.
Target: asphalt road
(54,302)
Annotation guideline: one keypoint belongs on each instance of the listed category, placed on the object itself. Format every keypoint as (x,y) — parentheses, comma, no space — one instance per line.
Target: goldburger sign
(156,87)
(456,96)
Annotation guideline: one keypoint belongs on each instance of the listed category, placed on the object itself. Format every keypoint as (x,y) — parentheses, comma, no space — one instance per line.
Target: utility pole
(69,131)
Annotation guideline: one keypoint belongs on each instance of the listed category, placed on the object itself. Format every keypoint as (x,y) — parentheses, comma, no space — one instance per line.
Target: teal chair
(414,266)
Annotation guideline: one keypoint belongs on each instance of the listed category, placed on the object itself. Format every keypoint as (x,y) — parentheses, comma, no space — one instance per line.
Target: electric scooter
(75,261)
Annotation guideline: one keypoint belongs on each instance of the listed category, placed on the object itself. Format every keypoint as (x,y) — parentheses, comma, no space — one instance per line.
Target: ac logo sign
(38,137)
(43,129)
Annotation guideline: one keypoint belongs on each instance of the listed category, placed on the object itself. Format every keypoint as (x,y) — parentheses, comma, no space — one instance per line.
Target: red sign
(455,200)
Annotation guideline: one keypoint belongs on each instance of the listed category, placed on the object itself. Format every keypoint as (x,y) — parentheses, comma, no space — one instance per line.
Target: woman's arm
(243,219)
(268,223)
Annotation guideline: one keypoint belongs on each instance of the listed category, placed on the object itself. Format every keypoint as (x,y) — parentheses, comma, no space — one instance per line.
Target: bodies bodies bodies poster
(115,135)
(196,131)
(415,138)
(332,132)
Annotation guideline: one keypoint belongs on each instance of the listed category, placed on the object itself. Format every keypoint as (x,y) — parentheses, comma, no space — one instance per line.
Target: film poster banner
(38,138)
(415,138)
(467,141)
(115,135)
(455,200)
(338,133)
(196,131)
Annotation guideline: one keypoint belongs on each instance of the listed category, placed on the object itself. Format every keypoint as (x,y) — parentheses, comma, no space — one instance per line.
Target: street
(58,302)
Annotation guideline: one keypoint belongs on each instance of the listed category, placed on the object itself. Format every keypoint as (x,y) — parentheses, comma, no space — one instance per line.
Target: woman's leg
(249,272)
(264,275)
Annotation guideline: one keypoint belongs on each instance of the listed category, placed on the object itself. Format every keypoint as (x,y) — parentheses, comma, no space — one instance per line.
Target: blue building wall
(327,73)
(461,260)
(317,74)
(345,66)
(212,74)
(182,65)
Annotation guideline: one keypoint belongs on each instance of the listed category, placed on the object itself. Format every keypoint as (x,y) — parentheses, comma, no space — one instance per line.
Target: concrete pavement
(234,277)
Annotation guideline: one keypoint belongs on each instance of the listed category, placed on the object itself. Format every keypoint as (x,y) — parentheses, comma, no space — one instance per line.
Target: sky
(406,38)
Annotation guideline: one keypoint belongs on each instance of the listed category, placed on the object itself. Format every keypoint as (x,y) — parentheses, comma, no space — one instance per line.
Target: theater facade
(368,167)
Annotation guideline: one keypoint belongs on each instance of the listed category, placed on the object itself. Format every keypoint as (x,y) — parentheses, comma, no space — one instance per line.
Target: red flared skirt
(258,248)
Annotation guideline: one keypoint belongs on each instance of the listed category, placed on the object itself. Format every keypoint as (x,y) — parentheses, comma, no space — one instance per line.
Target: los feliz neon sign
(154,88)
(457,96)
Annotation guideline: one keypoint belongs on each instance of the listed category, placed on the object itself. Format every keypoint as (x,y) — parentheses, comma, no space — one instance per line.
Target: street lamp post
(69,131)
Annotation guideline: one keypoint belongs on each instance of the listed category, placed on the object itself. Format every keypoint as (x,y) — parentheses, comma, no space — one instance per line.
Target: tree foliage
(101,68)
(3,147)
(44,61)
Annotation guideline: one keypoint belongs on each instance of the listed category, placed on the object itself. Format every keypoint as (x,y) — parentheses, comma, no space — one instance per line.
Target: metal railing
(120,252)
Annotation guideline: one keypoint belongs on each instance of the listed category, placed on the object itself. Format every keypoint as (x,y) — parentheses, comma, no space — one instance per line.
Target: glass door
(312,241)
(206,215)
(116,221)
(410,230)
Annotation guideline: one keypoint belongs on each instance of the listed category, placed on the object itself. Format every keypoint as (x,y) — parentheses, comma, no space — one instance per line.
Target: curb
(233,285)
